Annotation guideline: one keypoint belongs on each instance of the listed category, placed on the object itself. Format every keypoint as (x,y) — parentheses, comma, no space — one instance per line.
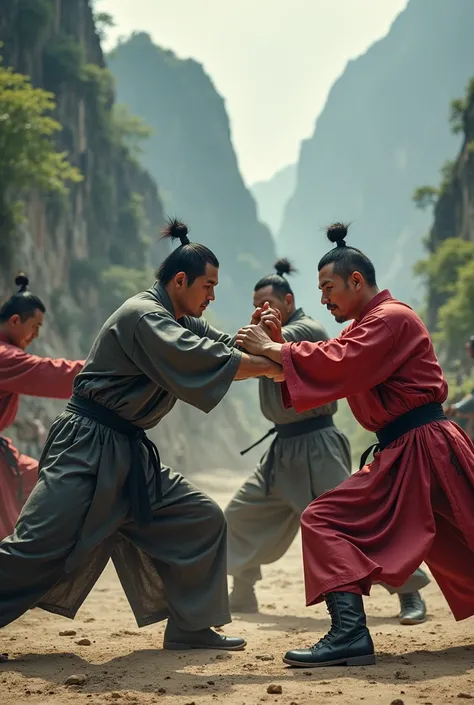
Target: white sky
(273,61)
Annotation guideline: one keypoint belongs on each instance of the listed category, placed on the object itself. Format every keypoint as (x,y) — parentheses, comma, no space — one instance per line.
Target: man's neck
(290,316)
(369,296)
(176,308)
(4,335)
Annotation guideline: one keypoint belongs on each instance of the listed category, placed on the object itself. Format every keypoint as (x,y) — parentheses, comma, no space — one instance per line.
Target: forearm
(252,366)
(273,352)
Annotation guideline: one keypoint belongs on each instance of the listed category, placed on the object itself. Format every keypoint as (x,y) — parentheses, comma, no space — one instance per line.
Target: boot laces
(333,613)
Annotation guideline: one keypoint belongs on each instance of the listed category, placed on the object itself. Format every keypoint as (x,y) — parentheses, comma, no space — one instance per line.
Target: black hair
(346,259)
(23,303)
(190,257)
(278,281)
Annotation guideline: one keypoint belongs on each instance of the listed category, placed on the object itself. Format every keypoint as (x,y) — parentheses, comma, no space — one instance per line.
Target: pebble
(397,702)
(223,657)
(466,696)
(84,642)
(68,632)
(401,675)
(115,696)
(3,658)
(265,657)
(274,689)
(79,679)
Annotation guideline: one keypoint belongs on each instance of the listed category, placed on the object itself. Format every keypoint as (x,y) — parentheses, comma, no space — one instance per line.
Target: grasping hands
(270,320)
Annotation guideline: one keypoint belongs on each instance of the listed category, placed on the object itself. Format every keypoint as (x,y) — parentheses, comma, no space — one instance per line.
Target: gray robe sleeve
(203,329)
(195,369)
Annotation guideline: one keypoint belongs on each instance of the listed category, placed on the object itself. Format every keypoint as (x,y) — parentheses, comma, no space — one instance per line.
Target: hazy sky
(272,60)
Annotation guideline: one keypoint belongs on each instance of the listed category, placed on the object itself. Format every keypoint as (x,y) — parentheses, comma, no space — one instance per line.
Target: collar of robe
(299,313)
(382,296)
(162,296)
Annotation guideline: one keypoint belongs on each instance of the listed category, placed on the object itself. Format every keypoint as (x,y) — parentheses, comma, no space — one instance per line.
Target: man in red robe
(415,501)
(21,318)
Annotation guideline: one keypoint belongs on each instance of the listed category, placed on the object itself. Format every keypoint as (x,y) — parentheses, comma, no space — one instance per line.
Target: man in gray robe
(309,456)
(102,492)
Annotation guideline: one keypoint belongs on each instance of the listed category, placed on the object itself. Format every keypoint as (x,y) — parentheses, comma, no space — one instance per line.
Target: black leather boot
(348,642)
(180,640)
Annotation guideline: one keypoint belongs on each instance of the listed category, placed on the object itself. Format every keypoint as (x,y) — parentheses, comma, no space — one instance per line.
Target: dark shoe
(348,642)
(179,640)
(243,598)
(412,608)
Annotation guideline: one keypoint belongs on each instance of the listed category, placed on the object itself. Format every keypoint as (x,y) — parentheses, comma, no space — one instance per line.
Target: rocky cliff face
(190,154)
(273,195)
(454,218)
(383,132)
(86,253)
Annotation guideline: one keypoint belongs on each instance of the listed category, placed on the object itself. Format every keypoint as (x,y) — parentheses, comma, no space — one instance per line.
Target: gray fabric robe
(78,515)
(261,528)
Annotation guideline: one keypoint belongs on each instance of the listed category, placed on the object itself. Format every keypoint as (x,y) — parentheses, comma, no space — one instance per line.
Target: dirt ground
(429,663)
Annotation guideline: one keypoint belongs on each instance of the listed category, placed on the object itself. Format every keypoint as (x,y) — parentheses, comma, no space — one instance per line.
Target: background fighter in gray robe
(308,457)
(102,492)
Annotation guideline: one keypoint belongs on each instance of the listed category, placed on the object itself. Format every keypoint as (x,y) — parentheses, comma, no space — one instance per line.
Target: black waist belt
(288,430)
(137,484)
(412,419)
(12,464)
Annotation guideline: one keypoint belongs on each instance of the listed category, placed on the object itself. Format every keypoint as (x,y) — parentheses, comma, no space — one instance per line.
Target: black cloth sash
(403,424)
(287,430)
(11,462)
(137,485)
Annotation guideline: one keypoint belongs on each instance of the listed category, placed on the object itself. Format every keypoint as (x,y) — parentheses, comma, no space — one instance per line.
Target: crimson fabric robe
(415,501)
(22,373)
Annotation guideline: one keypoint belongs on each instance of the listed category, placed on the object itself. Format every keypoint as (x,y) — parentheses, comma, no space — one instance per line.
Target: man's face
(194,299)
(285,305)
(342,298)
(22,333)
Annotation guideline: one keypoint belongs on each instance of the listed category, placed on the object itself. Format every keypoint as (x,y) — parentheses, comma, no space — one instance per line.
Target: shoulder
(306,328)
(399,317)
(139,307)
(8,351)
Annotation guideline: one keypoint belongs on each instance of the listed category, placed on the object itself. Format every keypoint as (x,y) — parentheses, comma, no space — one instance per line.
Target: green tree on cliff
(28,155)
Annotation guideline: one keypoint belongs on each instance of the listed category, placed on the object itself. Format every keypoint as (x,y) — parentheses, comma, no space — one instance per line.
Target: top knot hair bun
(22,282)
(337,233)
(175,230)
(284,266)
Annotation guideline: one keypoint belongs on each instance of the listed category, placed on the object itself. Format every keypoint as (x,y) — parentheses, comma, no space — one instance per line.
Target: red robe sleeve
(320,373)
(22,373)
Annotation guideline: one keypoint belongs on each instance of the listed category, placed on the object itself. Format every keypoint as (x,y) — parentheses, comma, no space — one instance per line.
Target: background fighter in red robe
(20,373)
(415,501)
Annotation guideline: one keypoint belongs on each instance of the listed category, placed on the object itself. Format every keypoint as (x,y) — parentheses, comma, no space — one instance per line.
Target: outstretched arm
(195,369)
(319,373)
(22,373)
(258,366)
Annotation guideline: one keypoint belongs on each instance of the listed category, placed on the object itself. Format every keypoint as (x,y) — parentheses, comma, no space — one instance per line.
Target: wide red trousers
(413,503)
(16,483)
